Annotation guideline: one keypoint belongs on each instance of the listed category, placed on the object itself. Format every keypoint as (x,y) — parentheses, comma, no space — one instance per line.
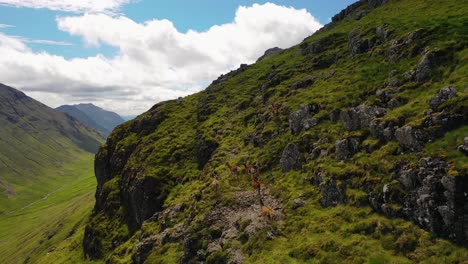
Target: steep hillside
(95,117)
(36,143)
(356,137)
(83,118)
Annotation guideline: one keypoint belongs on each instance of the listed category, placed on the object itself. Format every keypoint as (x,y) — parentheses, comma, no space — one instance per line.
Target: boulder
(360,117)
(290,158)
(302,119)
(298,203)
(425,67)
(411,138)
(332,194)
(346,148)
(464,147)
(443,95)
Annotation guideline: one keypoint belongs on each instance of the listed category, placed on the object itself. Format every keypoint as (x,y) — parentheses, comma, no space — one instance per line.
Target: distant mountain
(36,142)
(129,117)
(94,117)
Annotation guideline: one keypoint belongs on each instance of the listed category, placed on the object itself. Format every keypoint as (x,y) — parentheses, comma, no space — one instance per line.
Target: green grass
(51,230)
(232,111)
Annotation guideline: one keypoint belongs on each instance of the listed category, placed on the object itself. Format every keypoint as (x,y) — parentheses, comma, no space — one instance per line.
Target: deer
(267,211)
(250,170)
(215,182)
(275,109)
(233,168)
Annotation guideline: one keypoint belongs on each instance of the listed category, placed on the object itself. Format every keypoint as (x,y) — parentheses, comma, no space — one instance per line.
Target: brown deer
(215,182)
(267,211)
(250,170)
(275,109)
(233,168)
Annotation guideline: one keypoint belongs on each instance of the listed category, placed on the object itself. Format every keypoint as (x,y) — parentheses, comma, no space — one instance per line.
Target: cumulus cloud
(154,61)
(76,6)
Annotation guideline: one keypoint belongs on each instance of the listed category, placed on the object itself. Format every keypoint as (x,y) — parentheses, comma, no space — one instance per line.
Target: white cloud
(42,41)
(76,6)
(154,62)
(5,26)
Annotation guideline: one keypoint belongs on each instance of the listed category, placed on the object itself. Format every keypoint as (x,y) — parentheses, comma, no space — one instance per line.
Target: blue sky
(127,55)
(200,15)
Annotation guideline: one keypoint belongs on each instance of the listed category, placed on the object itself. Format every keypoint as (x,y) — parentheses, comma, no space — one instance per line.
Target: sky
(127,55)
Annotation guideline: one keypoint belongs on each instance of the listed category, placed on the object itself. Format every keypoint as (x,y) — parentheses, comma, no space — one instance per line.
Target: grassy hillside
(344,189)
(37,144)
(50,230)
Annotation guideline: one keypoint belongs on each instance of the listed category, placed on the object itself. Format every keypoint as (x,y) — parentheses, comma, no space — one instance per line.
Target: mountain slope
(102,120)
(83,118)
(36,142)
(355,133)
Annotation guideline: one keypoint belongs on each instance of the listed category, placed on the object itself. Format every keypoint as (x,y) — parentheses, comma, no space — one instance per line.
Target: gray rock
(396,102)
(290,159)
(356,44)
(360,117)
(436,200)
(346,148)
(305,82)
(410,138)
(443,95)
(464,148)
(270,52)
(383,32)
(204,149)
(334,115)
(298,203)
(425,67)
(332,194)
(302,119)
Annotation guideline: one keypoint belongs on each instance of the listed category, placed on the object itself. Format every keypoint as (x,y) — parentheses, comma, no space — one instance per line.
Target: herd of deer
(254,173)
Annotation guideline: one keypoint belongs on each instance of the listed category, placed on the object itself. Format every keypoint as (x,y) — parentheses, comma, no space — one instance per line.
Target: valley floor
(50,229)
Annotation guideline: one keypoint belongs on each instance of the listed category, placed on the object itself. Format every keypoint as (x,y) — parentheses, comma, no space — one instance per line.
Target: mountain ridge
(94,117)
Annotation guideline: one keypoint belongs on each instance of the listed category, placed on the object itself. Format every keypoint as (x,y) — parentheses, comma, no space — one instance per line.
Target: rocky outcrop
(346,148)
(290,159)
(436,200)
(305,82)
(204,148)
(357,44)
(443,95)
(464,147)
(332,192)
(384,130)
(302,119)
(425,67)
(360,117)
(408,46)
(411,138)
(270,52)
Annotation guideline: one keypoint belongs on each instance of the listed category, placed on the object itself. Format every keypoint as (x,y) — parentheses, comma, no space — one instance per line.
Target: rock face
(410,138)
(270,52)
(444,95)
(356,44)
(436,200)
(360,117)
(332,194)
(302,119)
(290,159)
(346,148)
(423,70)
(204,149)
